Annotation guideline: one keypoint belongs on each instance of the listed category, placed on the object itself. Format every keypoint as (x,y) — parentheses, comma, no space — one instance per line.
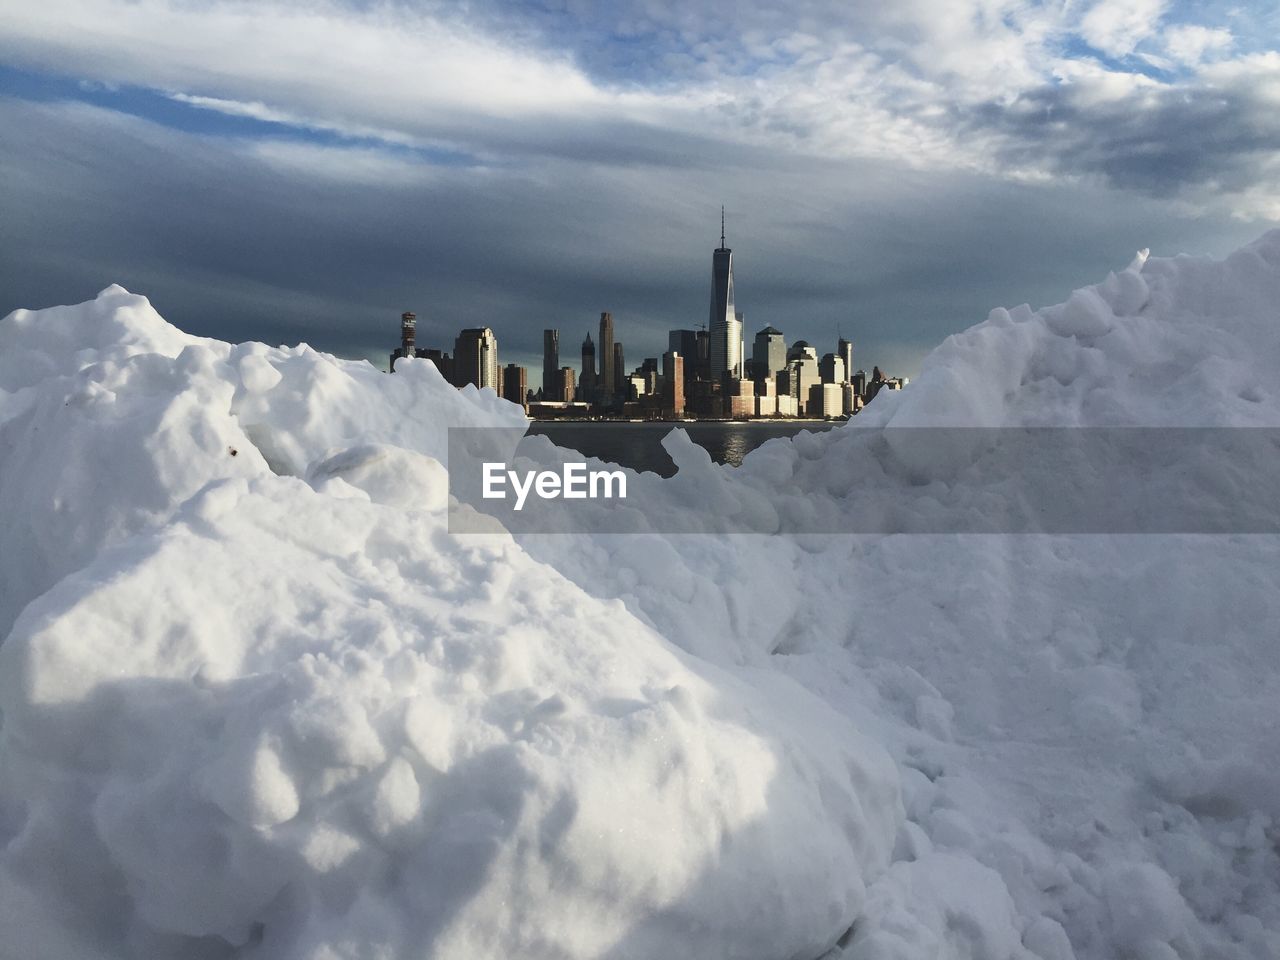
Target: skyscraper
(515,384)
(831,369)
(619,372)
(768,354)
(408,339)
(673,384)
(550,364)
(844,349)
(608,375)
(564,384)
(725,328)
(587,382)
(475,358)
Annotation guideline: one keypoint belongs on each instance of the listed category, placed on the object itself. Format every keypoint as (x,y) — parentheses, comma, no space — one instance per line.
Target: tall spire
(722,226)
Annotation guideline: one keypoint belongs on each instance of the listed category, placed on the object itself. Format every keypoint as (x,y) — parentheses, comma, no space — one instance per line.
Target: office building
(768,354)
(673,384)
(859,381)
(619,368)
(724,328)
(475,358)
(564,385)
(550,364)
(693,347)
(825,400)
(844,350)
(801,373)
(587,381)
(608,372)
(831,368)
(515,384)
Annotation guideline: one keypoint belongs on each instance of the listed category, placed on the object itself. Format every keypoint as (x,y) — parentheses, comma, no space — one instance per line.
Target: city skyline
(897,172)
(725,329)
(704,374)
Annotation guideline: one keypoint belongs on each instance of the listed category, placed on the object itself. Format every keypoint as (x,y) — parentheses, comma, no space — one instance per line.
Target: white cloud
(928,84)
(384,68)
(1189,44)
(1116,27)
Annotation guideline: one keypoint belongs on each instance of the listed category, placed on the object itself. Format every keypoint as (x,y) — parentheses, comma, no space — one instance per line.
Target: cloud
(1116,27)
(286,241)
(931,84)
(1189,44)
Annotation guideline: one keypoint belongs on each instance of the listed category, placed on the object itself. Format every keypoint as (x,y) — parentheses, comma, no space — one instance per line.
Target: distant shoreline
(756,421)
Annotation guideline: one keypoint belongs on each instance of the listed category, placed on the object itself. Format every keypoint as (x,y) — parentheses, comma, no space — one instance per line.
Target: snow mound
(1185,341)
(110,419)
(257,702)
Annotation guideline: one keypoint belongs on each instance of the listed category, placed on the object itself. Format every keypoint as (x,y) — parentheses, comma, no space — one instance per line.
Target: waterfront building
(515,384)
(557,410)
(619,374)
(564,386)
(802,373)
(672,384)
(724,327)
(848,399)
(475,358)
(738,399)
(766,405)
(550,364)
(825,400)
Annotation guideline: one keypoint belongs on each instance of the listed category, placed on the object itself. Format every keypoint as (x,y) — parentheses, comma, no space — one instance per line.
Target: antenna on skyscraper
(722,226)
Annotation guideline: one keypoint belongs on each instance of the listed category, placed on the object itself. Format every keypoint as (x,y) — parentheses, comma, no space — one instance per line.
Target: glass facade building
(724,326)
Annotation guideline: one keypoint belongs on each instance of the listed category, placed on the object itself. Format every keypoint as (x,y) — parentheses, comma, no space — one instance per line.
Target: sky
(304,172)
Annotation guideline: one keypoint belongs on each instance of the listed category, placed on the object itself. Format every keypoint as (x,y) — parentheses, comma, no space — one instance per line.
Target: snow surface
(257,702)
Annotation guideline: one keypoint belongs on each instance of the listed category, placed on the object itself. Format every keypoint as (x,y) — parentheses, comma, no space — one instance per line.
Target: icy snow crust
(264,705)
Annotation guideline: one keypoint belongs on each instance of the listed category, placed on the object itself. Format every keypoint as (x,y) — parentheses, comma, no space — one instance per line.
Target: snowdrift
(257,702)
(248,713)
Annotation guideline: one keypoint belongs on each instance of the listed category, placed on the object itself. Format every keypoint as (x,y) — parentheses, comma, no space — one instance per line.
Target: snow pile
(260,703)
(263,704)
(110,419)
(1084,725)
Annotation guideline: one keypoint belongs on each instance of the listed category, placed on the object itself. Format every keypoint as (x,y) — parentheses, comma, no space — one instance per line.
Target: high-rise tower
(608,375)
(587,382)
(769,354)
(725,328)
(844,349)
(550,364)
(475,358)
